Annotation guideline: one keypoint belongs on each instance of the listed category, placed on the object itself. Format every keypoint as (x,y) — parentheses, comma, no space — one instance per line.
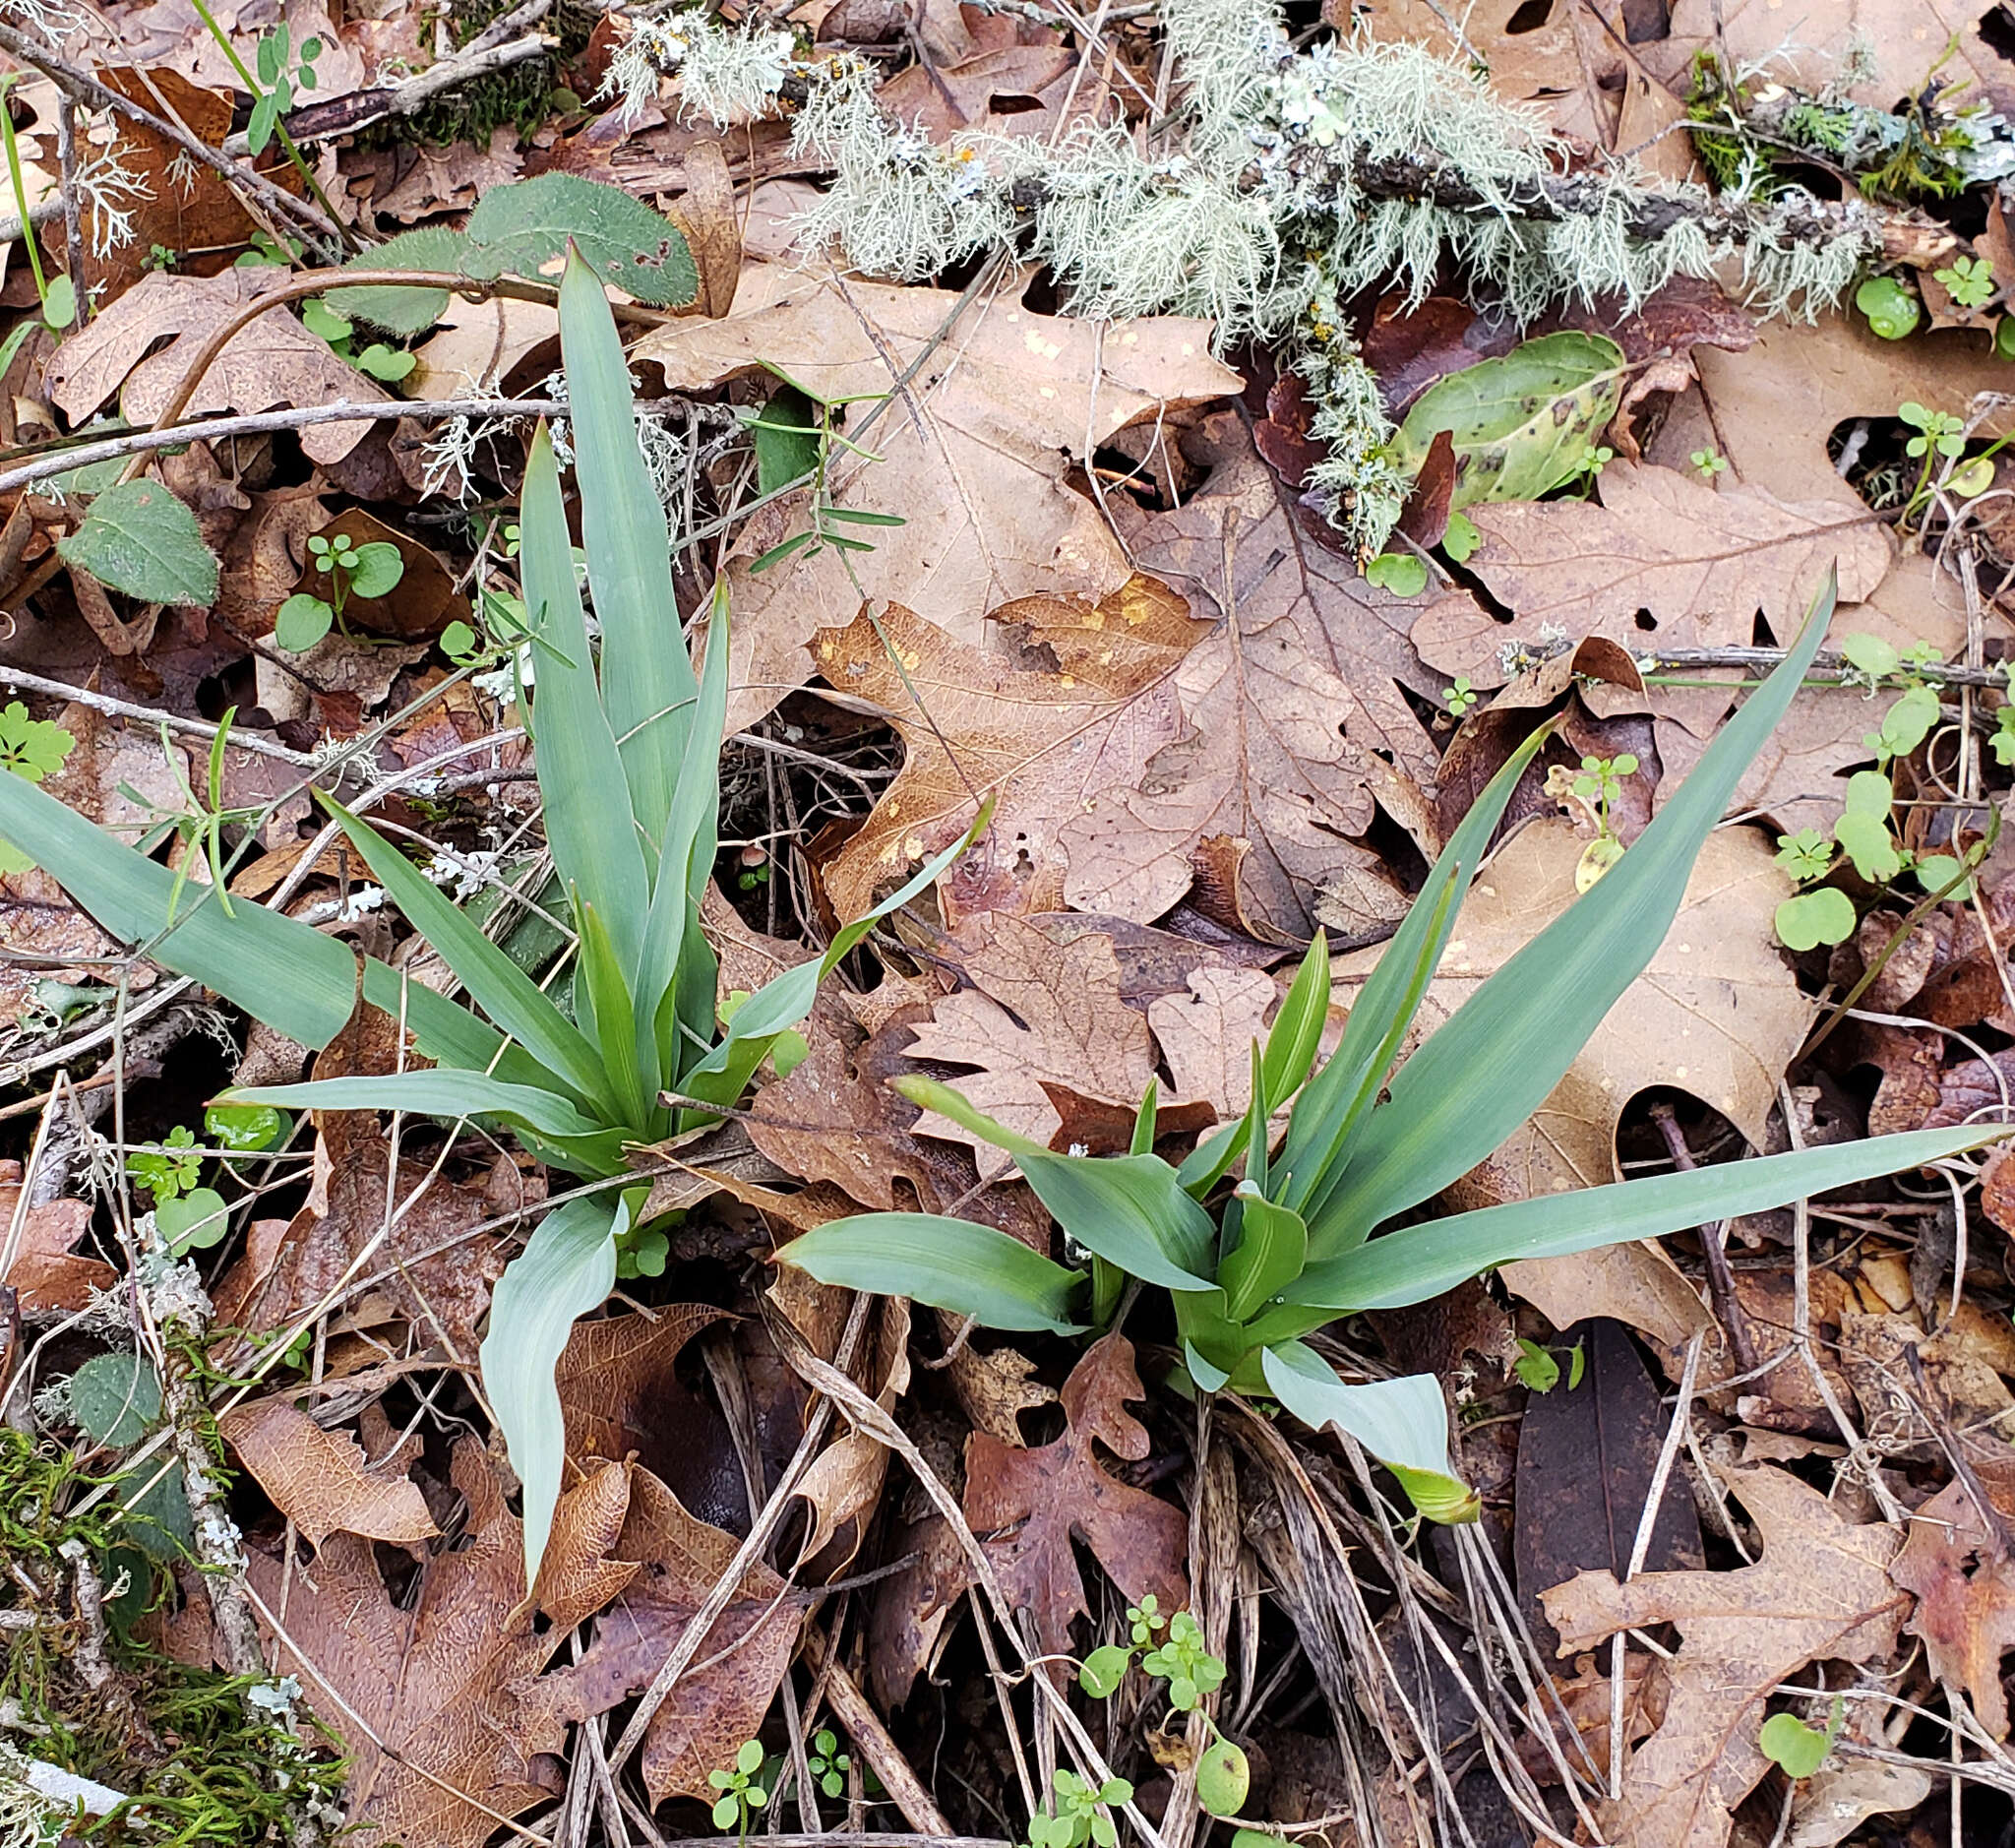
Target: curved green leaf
(951,1264)
(1497,1058)
(566,1268)
(1272,1248)
(524,227)
(139,539)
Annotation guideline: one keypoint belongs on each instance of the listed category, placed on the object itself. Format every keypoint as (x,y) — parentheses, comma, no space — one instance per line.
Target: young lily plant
(628,766)
(1254,1264)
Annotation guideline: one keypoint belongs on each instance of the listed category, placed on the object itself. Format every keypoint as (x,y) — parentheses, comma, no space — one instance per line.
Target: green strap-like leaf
(648,682)
(503,990)
(1130,1210)
(1297,1029)
(566,1268)
(951,1264)
(1420,1262)
(1272,1248)
(457,1096)
(279,970)
(445,1032)
(1328,1111)
(610,1016)
(582,786)
(1497,1058)
(1403,1423)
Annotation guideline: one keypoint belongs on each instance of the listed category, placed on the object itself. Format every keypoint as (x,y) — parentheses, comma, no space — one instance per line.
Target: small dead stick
(864,1726)
(1721,1276)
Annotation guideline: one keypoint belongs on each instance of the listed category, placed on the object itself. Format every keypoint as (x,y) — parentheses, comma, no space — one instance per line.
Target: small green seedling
(1078,1813)
(245,1128)
(376,358)
(796,435)
(1708,463)
(1461,537)
(827,1764)
(1460,697)
(1401,573)
(1892,310)
(1592,460)
(168,1169)
(741,1796)
(281,74)
(1593,789)
(1795,1749)
(371,570)
(1538,1368)
(1969,280)
(32,748)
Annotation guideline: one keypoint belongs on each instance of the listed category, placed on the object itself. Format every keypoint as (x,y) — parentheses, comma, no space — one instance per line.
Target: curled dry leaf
(1820,1592)
(416,1689)
(1030,1505)
(320,1480)
(48,1276)
(1962,1576)
(1048,744)
(274,361)
(974,455)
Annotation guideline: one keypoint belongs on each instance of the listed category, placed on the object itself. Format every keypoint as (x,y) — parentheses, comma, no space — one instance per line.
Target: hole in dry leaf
(1997,32)
(1529,18)
(1646,621)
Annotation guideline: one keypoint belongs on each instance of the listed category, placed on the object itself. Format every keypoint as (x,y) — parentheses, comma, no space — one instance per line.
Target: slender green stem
(14,174)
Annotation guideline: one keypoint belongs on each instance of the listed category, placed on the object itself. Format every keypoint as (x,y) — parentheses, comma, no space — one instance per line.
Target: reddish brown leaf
(1964,1580)
(321,1480)
(1029,1506)
(47,1276)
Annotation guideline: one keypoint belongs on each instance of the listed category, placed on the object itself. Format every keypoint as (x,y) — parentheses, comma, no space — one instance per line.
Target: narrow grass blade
(951,1264)
(566,1268)
(509,996)
(1420,1262)
(1328,1111)
(1297,1029)
(588,824)
(1403,1423)
(1487,1067)
(279,970)
(647,681)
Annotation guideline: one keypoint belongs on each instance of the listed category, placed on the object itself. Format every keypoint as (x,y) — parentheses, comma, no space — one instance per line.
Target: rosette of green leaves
(628,774)
(1255,1268)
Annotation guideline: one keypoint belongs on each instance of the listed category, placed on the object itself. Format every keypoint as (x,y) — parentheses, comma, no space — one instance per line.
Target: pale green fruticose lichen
(1291,182)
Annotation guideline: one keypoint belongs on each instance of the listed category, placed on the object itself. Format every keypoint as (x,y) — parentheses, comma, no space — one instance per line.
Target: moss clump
(522,96)
(209,1761)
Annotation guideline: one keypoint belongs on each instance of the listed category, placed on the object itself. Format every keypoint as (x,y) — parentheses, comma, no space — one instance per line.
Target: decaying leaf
(1029,1506)
(973,453)
(321,1480)
(48,1275)
(1963,1579)
(1049,745)
(1822,1592)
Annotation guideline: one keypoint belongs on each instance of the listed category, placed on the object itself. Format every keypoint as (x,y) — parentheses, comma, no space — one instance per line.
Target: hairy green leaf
(139,539)
(523,228)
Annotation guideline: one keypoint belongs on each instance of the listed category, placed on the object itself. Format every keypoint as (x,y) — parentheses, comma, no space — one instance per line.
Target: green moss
(209,1776)
(522,96)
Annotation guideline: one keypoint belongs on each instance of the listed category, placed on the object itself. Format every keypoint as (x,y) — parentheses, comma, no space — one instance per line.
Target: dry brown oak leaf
(974,721)
(417,1690)
(274,362)
(718,1702)
(1295,717)
(1964,1581)
(973,452)
(320,1480)
(1716,1013)
(1030,1506)
(1034,1012)
(1820,1592)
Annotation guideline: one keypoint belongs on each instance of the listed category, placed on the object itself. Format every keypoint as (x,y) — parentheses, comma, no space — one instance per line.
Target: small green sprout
(1970,280)
(1401,573)
(1797,1748)
(371,570)
(740,1795)
(1460,697)
(1080,1813)
(167,1170)
(827,1763)
(1461,539)
(1892,309)
(1708,463)
(1189,1668)
(1939,431)
(2003,740)
(1805,854)
(30,748)
(1538,1368)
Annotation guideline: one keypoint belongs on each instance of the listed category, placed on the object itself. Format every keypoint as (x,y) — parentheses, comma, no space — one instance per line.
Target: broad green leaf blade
(568,1266)
(786,439)
(1130,1210)
(1521,423)
(446,1033)
(1328,1111)
(523,228)
(648,682)
(1297,1029)
(285,973)
(1494,1060)
(950,1263)
(589,823)
(685,863)
(1403,1423)
(611,1015)
(457,1096)
(1420,1262)
(139,539)
(432,247)
(1273,1246)
(509,996)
